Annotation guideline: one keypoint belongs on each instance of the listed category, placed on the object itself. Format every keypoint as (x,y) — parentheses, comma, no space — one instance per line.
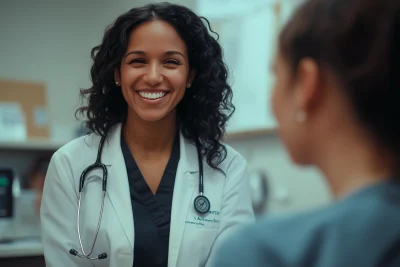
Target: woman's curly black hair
(205,107)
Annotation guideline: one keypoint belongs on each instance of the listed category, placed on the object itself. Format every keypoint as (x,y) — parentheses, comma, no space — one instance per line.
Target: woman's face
(154,71)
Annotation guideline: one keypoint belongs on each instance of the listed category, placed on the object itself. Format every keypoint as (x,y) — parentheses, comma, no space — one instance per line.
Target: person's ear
(117,77)
(190,79)
(307,89)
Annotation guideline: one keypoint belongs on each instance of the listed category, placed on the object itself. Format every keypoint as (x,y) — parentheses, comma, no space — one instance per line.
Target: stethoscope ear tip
(73,252)
(102,256)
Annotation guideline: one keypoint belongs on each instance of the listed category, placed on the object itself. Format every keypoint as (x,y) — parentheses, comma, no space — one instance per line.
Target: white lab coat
(192,238)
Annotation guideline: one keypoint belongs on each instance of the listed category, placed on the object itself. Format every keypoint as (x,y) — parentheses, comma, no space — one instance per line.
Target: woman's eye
(137,61)
(173,62)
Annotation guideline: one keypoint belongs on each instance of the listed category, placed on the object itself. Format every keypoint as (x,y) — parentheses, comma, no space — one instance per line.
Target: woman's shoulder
(324,236)
(275,240)
(233,157)
(79,146)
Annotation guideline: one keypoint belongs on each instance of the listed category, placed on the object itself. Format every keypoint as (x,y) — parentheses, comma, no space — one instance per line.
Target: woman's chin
(154,116)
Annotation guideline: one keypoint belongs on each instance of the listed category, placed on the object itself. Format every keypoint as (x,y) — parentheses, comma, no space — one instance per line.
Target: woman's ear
(308,79)
(117,77)
(190,78)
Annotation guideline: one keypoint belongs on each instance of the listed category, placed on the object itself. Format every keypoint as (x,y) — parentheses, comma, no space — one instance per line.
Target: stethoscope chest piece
(202,204)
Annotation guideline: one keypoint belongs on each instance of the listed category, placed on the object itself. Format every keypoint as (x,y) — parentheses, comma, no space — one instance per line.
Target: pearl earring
(116,83)
(301,116)
(188,86)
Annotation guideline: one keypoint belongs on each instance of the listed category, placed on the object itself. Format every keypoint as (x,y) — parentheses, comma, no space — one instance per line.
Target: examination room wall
(50,41)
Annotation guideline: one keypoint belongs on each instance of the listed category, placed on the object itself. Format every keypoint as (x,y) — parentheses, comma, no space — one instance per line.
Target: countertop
(21,248)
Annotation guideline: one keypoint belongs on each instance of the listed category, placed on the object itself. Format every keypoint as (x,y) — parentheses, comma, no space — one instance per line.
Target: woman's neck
(351,162)
(150,137)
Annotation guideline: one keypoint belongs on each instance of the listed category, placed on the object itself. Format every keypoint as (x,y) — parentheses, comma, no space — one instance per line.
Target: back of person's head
(358,43)
(206,106)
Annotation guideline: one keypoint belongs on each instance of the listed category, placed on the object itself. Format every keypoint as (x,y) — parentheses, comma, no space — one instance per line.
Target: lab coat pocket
(124,260)
(196,246)
(208,238)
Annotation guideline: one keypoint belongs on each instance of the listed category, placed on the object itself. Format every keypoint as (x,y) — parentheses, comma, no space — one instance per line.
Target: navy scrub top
(151,213)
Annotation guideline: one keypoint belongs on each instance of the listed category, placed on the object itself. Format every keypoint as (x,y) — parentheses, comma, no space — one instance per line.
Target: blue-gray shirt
(357,231)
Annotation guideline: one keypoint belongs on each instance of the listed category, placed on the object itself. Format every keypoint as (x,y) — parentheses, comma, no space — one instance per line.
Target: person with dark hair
(336,100)
(163,189)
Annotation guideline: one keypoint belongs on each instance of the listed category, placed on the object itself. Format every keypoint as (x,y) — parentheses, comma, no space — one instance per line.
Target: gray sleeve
(243,250)
(275,242)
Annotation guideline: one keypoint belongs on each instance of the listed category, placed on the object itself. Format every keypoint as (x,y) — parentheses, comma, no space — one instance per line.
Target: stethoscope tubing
(197,205)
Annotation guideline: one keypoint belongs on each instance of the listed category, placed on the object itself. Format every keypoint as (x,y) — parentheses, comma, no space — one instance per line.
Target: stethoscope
(201,202)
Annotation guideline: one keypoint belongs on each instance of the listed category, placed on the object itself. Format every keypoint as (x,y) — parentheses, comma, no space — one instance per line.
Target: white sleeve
(58,217)
(237,209)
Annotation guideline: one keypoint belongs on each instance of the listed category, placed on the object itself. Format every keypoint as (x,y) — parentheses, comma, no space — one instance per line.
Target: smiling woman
(157,110)
(155,45)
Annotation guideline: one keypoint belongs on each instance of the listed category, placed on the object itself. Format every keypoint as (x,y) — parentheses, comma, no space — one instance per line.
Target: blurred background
(45,60)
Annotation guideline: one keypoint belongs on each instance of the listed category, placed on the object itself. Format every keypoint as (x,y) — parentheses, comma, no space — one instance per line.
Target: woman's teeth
(152,95)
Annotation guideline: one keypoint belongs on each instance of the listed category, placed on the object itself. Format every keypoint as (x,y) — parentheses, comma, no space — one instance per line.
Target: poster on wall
(248,32)
(12,122)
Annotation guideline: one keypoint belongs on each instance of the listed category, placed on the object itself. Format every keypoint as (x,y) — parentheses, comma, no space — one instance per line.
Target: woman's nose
(153,75)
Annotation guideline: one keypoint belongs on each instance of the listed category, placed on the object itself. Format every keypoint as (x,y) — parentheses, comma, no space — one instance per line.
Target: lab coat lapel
(118,185)
(184,185)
